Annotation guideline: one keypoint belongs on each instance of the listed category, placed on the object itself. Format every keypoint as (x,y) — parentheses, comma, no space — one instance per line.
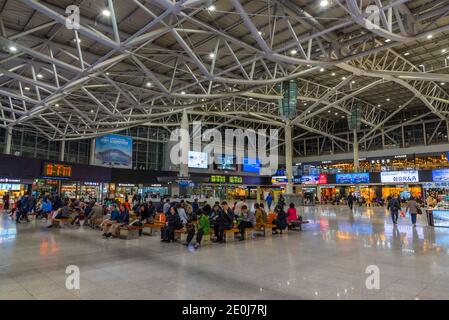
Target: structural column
(258,194)
(62,151)
(288,156)
(356,151)
(185,146)
(92,152)
(8,141)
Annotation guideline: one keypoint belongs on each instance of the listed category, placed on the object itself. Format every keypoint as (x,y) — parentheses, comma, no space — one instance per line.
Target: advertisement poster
(440,175)
(322,179)
(114,151)
(311,179)
(198,160)
(352,178)
(399,176)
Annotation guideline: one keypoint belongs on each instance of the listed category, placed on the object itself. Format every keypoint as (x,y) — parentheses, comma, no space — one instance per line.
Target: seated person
(248,220)
(203,228)
(123,219)
(109,221)
(95,215)
(61,213)
(261,218)
(281,219)
(291,213)
(173,223)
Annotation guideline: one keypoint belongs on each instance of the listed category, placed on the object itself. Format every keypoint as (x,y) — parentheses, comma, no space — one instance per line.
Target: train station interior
(224,150)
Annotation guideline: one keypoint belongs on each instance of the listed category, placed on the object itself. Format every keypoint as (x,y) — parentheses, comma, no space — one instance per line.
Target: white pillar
(62,151)
(356,151)
(185,145)
(288,157)
(258,194)
(92,152)
(8,141)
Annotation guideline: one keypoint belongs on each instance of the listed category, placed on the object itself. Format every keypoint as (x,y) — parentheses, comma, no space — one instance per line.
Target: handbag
(418,210)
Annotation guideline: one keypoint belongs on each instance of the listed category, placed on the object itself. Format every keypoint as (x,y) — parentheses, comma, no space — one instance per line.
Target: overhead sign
(399,176)
(114,151)
(351,178)
(310,179)
(56,170)
(322,179)
(235,179)
(218,179)
(440,175)
(198,160)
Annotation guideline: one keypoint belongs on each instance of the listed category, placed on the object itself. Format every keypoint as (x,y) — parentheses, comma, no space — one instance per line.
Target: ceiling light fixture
(407,54)
(333,74)
(12,49)
(27,88)
(40,76)
(429,36)
(211,55)
(149,84)
(324,3)
(211,8)
(183,92)
(321,69)
(106,13)
(293,52)
(387,40)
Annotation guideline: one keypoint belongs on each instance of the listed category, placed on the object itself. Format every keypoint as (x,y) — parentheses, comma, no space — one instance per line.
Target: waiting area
(327,260)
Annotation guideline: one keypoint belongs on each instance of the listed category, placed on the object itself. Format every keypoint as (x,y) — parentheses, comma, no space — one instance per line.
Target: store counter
(437,217)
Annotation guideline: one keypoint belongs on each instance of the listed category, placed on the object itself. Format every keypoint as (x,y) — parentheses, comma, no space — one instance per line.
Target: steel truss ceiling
(148,60)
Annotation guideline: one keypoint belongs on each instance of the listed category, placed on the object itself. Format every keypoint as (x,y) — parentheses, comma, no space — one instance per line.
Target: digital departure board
(217,179)
(56,170)
(235,179)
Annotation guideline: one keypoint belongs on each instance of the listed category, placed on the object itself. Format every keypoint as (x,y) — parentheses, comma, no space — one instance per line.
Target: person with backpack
(23,209)
(394,205)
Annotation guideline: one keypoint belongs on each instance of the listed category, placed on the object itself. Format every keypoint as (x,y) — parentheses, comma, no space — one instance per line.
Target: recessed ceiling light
(352,81)
(333,74)
(324,3)
(442,83)
(91,110)
(57,105)
(40,76)
(259,32)
(183,92)
(343,78)
(211,55)
(328,111)
(211,8)
(77,40)
(388,99)
(443,51)
(407,54)
(321,69)
(107,73)
(387,40)
(336,113)
(12,49)
(293,51)
(149,84)
(27,88)
(379,105)
(106,13)
(429,36)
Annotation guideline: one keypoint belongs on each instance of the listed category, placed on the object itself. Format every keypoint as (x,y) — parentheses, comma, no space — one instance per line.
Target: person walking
(6,201)
(413,208)
(269,200)
(394,205)
(350,201)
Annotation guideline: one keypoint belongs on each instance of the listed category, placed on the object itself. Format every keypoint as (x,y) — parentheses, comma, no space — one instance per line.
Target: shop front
(14,187)
(401,183)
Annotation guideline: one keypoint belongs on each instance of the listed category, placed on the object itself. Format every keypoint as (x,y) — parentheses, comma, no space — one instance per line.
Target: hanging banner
(399,176)
(440,175)
(114,151)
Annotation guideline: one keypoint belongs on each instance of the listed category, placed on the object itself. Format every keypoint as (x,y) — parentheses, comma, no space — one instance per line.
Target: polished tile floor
(327,260)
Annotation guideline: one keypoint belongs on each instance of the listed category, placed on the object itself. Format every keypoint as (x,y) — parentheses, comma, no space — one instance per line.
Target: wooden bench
(129,232)
(229,235)
(181,235)
(152,227)
(267,230)
(61,222)
(297,224)
(249,233)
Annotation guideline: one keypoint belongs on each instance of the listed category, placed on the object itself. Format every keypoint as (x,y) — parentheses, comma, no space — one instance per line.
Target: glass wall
(147,150)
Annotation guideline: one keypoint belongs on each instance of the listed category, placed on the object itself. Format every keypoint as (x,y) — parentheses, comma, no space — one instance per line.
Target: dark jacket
(174,221)
(394,205)
(281,220)
(228,219)
(123,217)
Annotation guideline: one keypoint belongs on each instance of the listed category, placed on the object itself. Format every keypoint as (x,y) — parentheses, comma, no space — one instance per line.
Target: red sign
(322,179)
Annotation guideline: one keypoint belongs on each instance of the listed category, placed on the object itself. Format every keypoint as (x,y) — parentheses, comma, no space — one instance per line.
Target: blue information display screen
(440,175)
(350,178)
(251,165)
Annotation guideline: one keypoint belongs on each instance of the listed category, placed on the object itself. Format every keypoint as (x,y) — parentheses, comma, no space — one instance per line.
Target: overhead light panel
(293,52)
(40,76)
(13,49)
(324,3)
(106,13)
